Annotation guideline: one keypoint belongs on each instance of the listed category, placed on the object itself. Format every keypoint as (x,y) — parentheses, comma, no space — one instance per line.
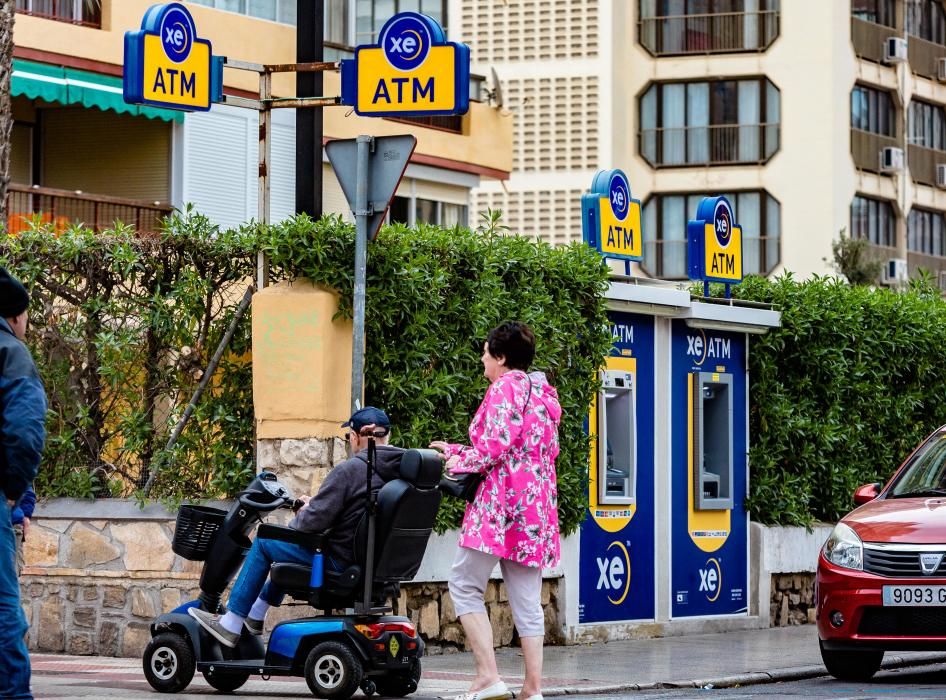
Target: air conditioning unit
(941,175)
(891,159)
(941,280)
(941,70)
(894,271)
(895,49)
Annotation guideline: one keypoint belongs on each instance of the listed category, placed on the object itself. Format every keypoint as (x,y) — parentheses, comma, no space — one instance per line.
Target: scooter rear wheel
(168,662)
(400,684)
(332,671)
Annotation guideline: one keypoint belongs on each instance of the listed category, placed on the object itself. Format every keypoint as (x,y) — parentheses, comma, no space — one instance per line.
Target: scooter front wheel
(169,663)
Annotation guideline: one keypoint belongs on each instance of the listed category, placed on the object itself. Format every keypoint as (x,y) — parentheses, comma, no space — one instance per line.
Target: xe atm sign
(412,71)
(167,65)
(714,243)
(611,218)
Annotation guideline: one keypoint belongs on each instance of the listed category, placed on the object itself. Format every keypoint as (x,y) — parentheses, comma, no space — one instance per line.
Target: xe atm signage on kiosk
(167,65)
(714,243)
(412,71)
(611,218)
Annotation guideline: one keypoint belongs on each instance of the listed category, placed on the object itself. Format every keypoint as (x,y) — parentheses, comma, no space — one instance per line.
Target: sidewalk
(755,656)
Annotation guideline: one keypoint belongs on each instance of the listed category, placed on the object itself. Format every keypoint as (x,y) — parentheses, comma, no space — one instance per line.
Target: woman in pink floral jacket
(514,519)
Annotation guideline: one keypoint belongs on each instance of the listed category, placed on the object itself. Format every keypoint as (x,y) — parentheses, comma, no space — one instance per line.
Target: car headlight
(844,548)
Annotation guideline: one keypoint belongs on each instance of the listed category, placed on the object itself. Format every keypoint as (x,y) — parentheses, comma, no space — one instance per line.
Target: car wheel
(400,684)
(332,671)
(168,663)
(226,682)
(846,665)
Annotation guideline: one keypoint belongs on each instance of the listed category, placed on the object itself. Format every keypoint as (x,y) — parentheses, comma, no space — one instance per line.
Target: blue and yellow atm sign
(167,65)
(611,218)
(412,71)
(714,243)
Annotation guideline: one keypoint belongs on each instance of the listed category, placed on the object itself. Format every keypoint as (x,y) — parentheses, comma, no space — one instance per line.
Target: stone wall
(302,464)
(793,599)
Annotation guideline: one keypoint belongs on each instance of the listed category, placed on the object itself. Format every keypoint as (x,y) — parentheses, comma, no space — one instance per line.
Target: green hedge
(841,393)
(123,326)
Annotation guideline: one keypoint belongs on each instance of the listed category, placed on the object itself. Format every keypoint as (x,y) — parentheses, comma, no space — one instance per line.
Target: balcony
(81,12)
(722,144)
(65,208)
(923,162)
(925,56)
(934,264)
(869,38)
(866,147)
(725,32)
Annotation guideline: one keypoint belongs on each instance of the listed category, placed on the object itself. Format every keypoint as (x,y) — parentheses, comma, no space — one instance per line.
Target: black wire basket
(195,531)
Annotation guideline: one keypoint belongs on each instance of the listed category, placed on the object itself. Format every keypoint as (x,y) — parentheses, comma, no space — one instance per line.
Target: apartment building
(81,154)
(803,111)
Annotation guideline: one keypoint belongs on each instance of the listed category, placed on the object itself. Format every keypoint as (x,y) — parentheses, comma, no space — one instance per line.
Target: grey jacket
(340,502)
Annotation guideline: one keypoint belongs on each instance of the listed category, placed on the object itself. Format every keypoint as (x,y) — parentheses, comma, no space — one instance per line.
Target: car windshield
(926,474)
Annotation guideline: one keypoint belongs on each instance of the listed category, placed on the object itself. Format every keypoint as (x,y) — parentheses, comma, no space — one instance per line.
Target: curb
(742,679)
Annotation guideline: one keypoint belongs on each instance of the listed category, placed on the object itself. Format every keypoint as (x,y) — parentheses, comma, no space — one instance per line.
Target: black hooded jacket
(340,502)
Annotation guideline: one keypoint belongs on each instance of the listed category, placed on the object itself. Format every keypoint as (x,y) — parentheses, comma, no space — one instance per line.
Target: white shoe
(538,696)
(497,691)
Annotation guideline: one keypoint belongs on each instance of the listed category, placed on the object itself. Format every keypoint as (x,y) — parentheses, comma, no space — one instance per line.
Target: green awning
(68,86)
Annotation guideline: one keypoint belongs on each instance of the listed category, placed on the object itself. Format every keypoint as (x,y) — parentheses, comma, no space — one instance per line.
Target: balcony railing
(915,261)
(923,162)
(866,147)
(868,38)
(65,208)
(724,32)
(925,56)
(668,259)
(720,144)
(83,12)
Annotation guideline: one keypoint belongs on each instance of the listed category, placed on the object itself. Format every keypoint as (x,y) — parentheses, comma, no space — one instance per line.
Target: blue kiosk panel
(709,524)
(617,576)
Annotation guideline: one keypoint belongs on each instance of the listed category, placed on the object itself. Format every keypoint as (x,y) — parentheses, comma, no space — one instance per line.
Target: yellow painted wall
(301,362)
(487,137)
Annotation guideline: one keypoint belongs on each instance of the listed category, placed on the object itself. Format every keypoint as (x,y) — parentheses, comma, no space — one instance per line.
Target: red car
(881,580)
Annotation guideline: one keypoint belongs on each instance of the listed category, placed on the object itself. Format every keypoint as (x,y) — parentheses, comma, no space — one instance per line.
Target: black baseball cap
(367,416)
(13,295)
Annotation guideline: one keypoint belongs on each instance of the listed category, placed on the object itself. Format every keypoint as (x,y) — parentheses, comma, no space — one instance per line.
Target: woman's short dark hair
(513,340)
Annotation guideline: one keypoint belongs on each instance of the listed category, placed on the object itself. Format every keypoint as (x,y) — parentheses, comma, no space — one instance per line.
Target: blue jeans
(252,582)
(14,658)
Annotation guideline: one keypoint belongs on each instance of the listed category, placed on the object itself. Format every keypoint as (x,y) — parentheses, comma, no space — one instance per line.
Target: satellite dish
(497,89)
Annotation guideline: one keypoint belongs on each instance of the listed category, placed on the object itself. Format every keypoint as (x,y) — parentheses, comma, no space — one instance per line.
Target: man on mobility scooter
(336,654)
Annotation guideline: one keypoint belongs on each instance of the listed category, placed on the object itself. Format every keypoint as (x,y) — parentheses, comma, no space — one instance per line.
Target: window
(873,110)
(877,11)
(370,15)
(873,220)
(926,19)
(665,220)
(669,27)
(926,232)
(719,122)
(283,11)
(82,12)
(927,125)
(427,211)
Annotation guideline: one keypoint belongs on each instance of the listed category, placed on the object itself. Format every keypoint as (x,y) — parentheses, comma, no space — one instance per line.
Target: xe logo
(711,580)
(177,34)
(614,572)
(619,192)
(722,222)
(406,43)
(701,347)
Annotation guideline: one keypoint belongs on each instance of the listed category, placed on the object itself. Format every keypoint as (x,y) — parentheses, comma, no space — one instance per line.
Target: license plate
(914,595)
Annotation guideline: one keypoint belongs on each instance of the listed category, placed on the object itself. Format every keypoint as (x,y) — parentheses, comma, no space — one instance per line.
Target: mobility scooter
(362,646)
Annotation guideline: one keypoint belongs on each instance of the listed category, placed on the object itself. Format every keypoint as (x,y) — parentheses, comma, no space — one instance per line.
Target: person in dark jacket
(20,518)
(22,435)
(339,505)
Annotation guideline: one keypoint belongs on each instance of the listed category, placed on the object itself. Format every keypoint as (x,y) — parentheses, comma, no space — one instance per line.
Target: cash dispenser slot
(617,444)
(712,441)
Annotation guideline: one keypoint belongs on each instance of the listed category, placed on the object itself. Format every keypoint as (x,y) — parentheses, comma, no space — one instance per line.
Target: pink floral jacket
(515,514)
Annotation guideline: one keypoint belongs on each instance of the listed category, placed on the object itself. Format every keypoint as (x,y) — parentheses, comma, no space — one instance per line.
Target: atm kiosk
(665,537)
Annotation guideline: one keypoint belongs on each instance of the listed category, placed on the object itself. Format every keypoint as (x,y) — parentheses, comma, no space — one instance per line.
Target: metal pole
(362,214)
(310,22)
(262,205)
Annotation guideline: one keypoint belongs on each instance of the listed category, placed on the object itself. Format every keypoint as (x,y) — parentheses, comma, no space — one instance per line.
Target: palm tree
(7,13)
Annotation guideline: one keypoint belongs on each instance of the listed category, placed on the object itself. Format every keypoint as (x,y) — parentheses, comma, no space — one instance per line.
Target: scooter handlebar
(253,504)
